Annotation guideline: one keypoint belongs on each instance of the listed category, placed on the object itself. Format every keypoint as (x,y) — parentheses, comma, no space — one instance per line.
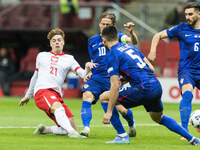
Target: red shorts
(44,99)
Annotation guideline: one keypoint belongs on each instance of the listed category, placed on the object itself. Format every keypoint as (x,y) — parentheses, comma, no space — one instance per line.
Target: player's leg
(154,106)
(50,102)
(54,129)
(91,91)
(172,125)
(59,112)
(126,114)
(50,129)
(185,105)
(122,137)
(186,84)
(86,112)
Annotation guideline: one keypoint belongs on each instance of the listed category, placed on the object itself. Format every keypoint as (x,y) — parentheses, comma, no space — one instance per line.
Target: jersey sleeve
(122,37)
(33,81)
(112,64)
(75,65)
(78,70)
(37,62)
(174,31)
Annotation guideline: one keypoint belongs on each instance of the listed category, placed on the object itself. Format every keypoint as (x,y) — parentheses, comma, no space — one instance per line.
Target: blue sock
(185,107)
(129,118)
(114,119)
(86,113)
(172,125)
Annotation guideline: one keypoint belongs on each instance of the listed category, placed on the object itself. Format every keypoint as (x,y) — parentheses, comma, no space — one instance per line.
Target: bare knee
(156,116)
(121,109)
(55,106)
(88,96)
(104,97)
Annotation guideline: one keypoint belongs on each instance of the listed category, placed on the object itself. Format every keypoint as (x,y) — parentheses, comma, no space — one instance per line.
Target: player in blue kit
(97,82)
(188,35)
(126,60)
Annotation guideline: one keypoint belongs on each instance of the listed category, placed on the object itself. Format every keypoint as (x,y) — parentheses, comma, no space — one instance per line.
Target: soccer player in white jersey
(46,83)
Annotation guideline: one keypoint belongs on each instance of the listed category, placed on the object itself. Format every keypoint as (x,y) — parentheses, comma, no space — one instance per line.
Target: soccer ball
(195,119)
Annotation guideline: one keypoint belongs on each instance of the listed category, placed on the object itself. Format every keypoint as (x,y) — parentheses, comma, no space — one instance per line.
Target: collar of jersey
(57,54)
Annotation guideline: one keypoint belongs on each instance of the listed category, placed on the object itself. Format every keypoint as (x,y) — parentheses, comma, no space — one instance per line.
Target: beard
(192,23)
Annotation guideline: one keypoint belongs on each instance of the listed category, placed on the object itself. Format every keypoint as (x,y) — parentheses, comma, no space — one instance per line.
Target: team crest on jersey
(54,60)
(181,81)
(86,86)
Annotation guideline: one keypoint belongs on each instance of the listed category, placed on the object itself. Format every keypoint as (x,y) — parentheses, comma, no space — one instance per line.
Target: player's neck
(197,25)
(57,51)
(112,43)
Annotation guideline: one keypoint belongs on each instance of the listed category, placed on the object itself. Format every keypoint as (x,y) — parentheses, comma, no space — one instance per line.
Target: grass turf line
(148,137)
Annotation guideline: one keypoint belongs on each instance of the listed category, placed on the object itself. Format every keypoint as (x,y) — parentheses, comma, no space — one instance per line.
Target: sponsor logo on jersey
(86,86)
(110,69)
(181,81)
(186,35)
(54,60)
(94,45)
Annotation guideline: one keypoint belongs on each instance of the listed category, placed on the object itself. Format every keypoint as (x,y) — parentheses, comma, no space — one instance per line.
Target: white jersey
(52,69)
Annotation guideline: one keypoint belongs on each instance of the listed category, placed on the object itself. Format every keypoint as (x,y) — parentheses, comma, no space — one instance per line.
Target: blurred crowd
(176,15)
(9,71)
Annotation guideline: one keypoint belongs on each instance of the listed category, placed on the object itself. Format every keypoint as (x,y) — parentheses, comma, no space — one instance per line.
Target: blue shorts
(131,97)
(97,86)
(192,78)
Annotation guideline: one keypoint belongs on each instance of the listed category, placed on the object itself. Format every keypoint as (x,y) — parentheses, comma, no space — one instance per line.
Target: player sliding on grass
(47,81)
(145,89)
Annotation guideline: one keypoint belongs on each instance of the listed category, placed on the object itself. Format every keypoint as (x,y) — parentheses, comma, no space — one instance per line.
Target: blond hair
(56,31)
(108,15)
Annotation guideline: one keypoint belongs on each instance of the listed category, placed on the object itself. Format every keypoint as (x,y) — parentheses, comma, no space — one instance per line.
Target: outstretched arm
(114,92)
(149,64)
(133,39)
(30,90)
(156,39)
(83,72)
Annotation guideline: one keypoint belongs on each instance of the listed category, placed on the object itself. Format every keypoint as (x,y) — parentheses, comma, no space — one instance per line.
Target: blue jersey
(98,52)
(189,43)
(127,60)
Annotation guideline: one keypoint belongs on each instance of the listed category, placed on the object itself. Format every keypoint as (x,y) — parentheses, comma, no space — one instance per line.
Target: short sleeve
(174,31)
(112,64)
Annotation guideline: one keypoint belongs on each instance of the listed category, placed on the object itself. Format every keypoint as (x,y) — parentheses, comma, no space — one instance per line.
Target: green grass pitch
(18,123)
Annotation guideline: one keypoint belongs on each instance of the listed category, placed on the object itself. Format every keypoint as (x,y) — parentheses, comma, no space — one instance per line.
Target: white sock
(58,130)
(63,120)
(123,134)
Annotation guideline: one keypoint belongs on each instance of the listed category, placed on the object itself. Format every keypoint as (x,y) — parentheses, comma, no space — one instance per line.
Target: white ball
(195,119)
